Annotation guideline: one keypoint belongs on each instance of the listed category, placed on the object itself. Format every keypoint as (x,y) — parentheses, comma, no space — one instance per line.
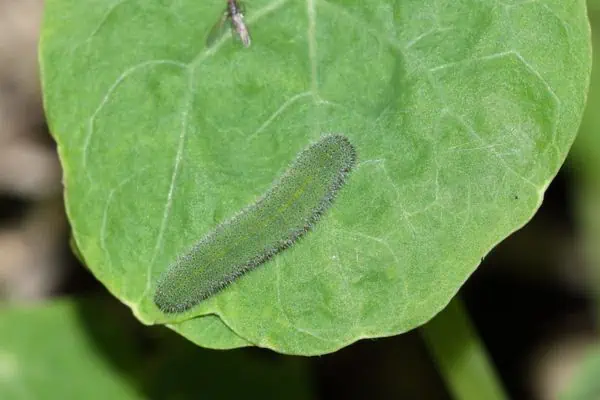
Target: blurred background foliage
(535,300)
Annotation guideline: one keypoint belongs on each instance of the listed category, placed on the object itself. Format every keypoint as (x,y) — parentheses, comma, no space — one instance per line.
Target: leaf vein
(172,184)
(90,126)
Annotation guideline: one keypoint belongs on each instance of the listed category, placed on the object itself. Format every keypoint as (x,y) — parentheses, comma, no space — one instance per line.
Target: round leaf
(461,113)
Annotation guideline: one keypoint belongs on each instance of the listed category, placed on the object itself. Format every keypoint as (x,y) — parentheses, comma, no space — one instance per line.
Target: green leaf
(46,352)
(461,112)
(71,349)
(212,333)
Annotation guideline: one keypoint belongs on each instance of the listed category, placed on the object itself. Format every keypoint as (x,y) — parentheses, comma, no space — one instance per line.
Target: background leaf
(45,353)
(461,112)
(71,349)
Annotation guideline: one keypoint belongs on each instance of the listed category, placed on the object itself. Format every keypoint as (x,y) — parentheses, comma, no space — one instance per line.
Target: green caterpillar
(286,212)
